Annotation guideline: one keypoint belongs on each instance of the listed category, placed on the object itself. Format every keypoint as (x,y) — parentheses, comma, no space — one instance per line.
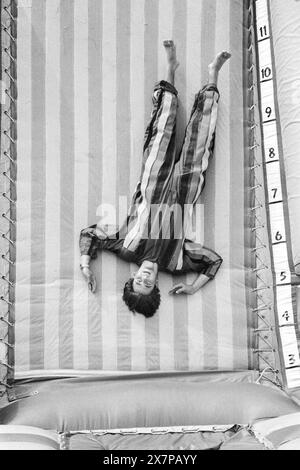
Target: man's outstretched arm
(88,250)
(202,260)
(93,239)
(191,289)
(88,273)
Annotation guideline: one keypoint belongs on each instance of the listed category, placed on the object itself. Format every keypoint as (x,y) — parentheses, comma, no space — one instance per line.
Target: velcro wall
(86,70)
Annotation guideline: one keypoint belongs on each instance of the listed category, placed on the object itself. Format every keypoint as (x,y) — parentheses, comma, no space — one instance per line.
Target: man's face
(145,279)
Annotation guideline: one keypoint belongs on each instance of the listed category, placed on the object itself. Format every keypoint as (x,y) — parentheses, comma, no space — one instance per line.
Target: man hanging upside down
(153,235)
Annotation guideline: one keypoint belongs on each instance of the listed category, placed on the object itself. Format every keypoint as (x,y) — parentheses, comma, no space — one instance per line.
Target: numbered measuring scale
(275,203)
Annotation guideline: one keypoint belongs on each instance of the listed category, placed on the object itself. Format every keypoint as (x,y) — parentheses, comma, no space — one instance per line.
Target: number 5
(283,276)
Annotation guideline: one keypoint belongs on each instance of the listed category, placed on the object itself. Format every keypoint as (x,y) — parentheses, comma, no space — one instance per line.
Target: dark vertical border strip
(249,181)
(8,46)
(279,354)
(283,179)
(13,188)
(1,63)
(95,13)
(123,120)
(3,329)
(151,67)
(240,236)
(210,336)
(180,303)
(38,185)
(67,186)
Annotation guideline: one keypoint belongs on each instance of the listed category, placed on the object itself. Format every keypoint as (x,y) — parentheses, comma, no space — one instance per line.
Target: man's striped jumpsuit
(155,227)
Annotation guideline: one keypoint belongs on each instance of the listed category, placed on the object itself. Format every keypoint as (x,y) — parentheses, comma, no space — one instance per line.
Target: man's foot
(171,55)
(219,61)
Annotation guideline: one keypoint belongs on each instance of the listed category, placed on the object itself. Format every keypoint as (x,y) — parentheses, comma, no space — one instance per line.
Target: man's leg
(215,67)
(172,62)
(162,126)
(199,139)
(159,152)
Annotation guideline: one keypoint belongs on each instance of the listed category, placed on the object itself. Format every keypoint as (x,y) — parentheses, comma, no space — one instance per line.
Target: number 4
(286,315)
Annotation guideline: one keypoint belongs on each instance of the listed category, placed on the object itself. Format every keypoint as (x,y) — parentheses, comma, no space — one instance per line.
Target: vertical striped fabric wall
(86,69)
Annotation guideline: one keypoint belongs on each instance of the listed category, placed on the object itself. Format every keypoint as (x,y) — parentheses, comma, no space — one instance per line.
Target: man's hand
(90,279)
(183,289)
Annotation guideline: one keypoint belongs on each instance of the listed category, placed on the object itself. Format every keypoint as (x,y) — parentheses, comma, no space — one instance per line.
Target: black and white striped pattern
(86,70)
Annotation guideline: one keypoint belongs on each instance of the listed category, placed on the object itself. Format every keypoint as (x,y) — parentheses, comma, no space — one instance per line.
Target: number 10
(266,73)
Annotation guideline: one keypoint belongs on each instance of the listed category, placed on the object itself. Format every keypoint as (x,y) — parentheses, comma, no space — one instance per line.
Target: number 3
(292,359)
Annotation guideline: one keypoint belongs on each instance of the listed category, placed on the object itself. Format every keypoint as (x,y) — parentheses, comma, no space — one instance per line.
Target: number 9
(268,111)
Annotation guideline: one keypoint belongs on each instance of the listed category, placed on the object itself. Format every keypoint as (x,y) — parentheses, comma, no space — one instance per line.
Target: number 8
(272,152)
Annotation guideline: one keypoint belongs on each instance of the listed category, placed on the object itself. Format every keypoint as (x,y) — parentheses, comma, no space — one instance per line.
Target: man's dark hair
(144,304)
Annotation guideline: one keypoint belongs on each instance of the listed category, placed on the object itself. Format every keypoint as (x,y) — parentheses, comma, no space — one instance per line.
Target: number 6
(278,237)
